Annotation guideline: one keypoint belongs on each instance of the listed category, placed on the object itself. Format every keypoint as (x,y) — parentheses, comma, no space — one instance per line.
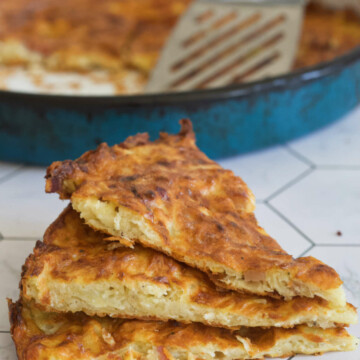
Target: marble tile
(7,168)
(288,238)
(12,256)
(7,348)
(323,203)
(25,209)
(266,171)
(338,144)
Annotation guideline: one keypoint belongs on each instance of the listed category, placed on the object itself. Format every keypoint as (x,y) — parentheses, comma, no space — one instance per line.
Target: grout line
(289,223)
(338,245)
(289,184)
(307,250)
(4,332)
(9,176)
(338,167)
(19,238)
(308,162)
(299,156)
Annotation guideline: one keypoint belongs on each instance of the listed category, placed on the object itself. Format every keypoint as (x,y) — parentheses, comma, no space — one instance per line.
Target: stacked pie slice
(159,256)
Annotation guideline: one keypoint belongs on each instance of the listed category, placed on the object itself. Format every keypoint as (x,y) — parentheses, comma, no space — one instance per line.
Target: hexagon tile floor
(308,194)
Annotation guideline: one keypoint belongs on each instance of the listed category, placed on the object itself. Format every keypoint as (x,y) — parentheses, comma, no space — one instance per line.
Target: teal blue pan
(39,129)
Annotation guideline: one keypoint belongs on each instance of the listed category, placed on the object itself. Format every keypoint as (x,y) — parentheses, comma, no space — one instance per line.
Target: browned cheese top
(123,33)
(326,34)
(131,34)
(201,212)
(40,336)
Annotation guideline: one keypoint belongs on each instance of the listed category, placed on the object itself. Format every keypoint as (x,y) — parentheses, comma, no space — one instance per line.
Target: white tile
(25,209)
(338,144)
(7,348)
(345,260)
(289,239)
(324,202)
(266,171)
(12,256)
(7,168)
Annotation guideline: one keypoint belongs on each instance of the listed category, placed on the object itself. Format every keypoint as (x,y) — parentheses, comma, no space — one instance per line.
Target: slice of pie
(170,196)
(74,269)
(41,336)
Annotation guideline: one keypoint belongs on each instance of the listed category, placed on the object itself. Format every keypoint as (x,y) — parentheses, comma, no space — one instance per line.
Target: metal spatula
(220,42)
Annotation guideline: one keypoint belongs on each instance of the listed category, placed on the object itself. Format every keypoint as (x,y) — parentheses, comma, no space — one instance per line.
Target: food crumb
(339,233)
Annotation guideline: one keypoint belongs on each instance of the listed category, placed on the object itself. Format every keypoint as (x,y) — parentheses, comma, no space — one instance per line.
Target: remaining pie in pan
(124,37)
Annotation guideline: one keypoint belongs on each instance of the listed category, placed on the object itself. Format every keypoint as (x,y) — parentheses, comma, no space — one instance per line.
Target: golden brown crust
(200,213)
(326,34)
(39,336)
(119,35)
(73,252)
(109,34)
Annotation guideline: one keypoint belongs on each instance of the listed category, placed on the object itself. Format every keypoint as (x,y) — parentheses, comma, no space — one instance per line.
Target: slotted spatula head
(221,42)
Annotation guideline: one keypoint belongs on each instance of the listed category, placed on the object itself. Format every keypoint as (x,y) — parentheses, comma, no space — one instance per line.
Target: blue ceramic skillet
(41,128)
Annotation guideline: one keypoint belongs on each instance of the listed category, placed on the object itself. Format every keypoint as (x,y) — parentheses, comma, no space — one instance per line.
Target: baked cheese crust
(88,35)
(42,336)
(75,269)
(125,37)
(170,196)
